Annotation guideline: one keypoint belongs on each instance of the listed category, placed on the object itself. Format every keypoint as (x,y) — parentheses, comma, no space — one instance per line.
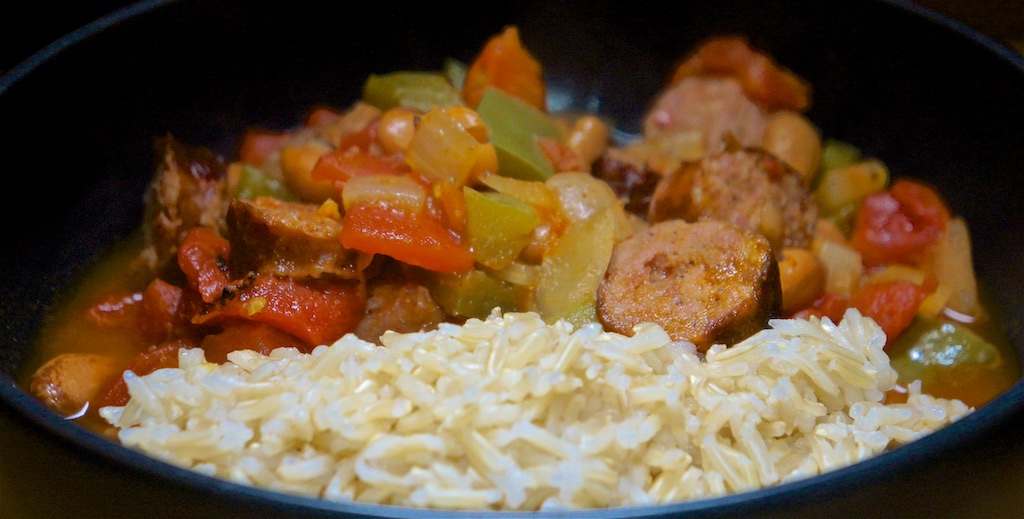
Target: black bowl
(931,97)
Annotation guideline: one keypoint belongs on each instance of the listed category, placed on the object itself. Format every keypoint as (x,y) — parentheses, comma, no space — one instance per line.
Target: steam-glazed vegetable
(442,195)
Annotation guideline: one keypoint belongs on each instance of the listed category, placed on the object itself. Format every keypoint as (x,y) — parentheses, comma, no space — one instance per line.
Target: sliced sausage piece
(716,107)
(188,190)
(69,381)
(289,239)
(749,188)
(401,306)
(708,282)
(631,180)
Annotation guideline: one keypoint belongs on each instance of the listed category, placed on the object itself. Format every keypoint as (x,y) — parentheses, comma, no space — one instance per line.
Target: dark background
(41,23)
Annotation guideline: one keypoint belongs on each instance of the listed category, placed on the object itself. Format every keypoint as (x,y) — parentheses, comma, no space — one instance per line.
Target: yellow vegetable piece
(297,163)
(803,279)
(842,188)
(442,150)
(572,271)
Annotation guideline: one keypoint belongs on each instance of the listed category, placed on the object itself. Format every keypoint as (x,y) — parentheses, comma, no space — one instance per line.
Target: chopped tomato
(317,312)
(899,224)
(258,145)
(203,257)
(505,64)
(416,239)
(765,82)
(248,335)
(361,140)
(162,310)
(341,165)
(891,304)
(163,356)
(829,305)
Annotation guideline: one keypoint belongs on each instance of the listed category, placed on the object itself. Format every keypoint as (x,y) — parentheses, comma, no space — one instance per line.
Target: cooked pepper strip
(413,238)
(764,81)
(317,312)
(204,257)
(419,91)
(506,65)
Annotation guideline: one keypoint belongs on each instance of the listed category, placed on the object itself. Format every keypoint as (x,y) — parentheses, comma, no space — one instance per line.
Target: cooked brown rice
(511,413)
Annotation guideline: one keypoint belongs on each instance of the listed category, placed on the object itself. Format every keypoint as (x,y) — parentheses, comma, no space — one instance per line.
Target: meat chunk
(630,177)
(747,187)
(401,306)
(707,282)
(68,382)
(714,106)
(289,239)
(189,189)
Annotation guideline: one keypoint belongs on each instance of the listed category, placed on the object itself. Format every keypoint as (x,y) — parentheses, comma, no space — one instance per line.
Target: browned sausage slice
(401,306)
(707,282)
(288,239)
(747,187)
(714,106)
(189,189)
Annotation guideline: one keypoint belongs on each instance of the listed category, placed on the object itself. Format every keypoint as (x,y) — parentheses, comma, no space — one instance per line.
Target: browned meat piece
(633,183)
(71,380)
(188,190)
(714,106)
(749,188)
(288,239)
(708,282)
(402,306)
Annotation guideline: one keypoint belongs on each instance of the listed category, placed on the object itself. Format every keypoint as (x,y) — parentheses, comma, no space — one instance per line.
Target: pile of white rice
(510,413)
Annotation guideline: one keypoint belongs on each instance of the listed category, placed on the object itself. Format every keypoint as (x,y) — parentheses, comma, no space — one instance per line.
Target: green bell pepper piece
(515,127)
(419,91)
(472,294)
(930,346)
(498,226)
(254,182)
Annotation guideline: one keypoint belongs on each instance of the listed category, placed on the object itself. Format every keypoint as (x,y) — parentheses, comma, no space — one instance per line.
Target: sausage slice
(707,282)
(188,190)
(288,239)
(749,188)
(714,106)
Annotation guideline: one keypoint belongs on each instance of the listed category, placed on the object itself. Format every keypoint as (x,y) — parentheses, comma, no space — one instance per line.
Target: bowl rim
(108,453)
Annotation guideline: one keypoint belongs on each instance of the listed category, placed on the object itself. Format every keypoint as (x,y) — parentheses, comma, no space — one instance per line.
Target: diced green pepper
(418,91)
(472,294)
(455,71)
(931,346)
(838,154)
(515,127)
(841,190)
(571,273)
(498,226)
(254,182)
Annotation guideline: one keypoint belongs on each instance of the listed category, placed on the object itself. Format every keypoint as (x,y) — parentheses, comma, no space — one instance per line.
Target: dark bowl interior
(932,98)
